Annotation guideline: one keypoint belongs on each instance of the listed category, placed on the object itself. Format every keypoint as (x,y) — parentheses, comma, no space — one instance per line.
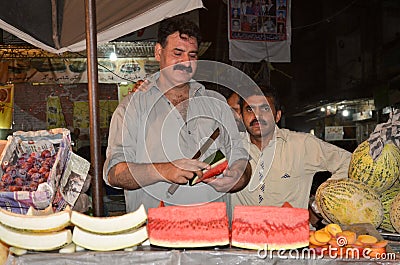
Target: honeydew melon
(108,242)
(35,241)
(112,224)
(35,223)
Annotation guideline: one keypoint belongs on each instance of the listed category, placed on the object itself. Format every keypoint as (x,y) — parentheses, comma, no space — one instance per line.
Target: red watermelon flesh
(189,226)
(269,227)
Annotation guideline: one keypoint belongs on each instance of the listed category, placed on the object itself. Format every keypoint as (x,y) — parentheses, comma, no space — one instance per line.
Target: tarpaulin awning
(59,25)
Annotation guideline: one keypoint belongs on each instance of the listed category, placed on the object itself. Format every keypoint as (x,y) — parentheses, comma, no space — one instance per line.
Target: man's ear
(157,51)
(278,116)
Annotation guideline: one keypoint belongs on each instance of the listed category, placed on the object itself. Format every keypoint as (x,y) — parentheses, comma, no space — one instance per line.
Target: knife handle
(172,188)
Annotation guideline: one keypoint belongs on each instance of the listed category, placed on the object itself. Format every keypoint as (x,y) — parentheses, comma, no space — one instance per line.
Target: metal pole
(94,114)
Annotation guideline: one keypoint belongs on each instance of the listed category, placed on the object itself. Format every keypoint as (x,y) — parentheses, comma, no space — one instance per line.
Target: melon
(348,201)
(35,241)
(395,213)
(35,223)
(380,174)
(189,226)
(111,224)
(108,242)
(387,199)
(218,164)
(270,227)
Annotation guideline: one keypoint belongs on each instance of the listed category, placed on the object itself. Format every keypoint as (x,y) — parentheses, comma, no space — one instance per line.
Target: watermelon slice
(218,164)
(269,227)
(286,204)
(189,226)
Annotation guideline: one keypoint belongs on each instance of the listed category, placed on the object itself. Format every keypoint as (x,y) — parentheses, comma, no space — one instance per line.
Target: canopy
(66,25)
(59,25)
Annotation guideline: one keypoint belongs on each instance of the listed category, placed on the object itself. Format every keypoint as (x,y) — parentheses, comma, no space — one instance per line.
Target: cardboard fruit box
(38,169)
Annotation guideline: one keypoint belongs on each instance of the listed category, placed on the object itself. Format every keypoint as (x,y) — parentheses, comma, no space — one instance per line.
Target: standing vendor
(283,162)
(154,134)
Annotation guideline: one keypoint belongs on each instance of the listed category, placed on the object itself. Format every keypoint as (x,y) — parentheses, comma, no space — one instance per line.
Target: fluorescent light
(113,56)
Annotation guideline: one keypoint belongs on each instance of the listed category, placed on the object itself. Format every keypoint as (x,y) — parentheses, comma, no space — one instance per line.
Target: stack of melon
(369,193)
(54,231)
(109,233)
(38,233)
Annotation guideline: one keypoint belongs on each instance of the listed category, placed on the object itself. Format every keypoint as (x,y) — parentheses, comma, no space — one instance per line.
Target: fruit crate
(38,168)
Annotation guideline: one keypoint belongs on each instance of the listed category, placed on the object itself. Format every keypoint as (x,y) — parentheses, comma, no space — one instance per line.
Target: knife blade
(174,186)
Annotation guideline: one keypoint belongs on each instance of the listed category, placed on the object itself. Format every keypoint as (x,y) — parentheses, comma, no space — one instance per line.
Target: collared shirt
(288,174)
(147,128)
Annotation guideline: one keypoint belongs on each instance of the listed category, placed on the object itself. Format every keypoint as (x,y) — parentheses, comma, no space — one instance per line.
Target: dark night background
(341,50)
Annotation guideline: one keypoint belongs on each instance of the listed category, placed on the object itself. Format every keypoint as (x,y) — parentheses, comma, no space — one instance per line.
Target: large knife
(200,152)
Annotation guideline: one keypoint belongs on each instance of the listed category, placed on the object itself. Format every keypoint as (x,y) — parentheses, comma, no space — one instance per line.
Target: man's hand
(141,85)
(235,178)
(134,176)
(182,170)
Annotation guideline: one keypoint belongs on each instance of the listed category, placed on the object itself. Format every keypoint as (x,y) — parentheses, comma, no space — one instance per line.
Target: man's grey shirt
(147,128)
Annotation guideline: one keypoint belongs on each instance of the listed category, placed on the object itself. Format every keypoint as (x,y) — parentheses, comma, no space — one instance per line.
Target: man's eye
(193,55)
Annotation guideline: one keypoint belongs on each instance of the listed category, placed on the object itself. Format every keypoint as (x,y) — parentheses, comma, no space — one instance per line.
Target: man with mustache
(155,133)
(283,162)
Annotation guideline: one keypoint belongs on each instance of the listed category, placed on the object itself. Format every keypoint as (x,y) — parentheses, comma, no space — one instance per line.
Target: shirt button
(189,132)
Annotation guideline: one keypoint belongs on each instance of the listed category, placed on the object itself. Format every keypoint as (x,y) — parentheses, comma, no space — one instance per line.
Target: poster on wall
(74,70)
(259,30)
(6,106)
(55,116)
(333,133)
(81,113)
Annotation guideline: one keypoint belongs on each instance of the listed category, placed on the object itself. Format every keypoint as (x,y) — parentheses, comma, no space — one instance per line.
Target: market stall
(157,256)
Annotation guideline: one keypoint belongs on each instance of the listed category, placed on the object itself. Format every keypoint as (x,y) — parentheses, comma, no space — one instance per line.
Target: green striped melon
(380,174)
(387,199)
(395,213)
(348,201)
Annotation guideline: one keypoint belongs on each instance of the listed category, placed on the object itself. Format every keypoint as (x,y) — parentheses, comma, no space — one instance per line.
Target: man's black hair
(260,90)
(182,25)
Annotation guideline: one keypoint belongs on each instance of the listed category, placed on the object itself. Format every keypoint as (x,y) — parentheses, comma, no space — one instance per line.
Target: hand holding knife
(174,186)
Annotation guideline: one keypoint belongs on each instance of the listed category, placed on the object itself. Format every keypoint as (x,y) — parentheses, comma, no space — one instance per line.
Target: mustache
(188,69)
(262,122)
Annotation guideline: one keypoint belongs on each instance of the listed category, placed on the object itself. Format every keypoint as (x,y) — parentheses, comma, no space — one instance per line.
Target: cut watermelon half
(269,227)
(189,226)
(218,164)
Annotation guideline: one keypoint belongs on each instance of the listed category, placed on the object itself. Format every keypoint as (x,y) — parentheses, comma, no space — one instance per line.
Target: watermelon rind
(270,246)
(188,244)
(214,159)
